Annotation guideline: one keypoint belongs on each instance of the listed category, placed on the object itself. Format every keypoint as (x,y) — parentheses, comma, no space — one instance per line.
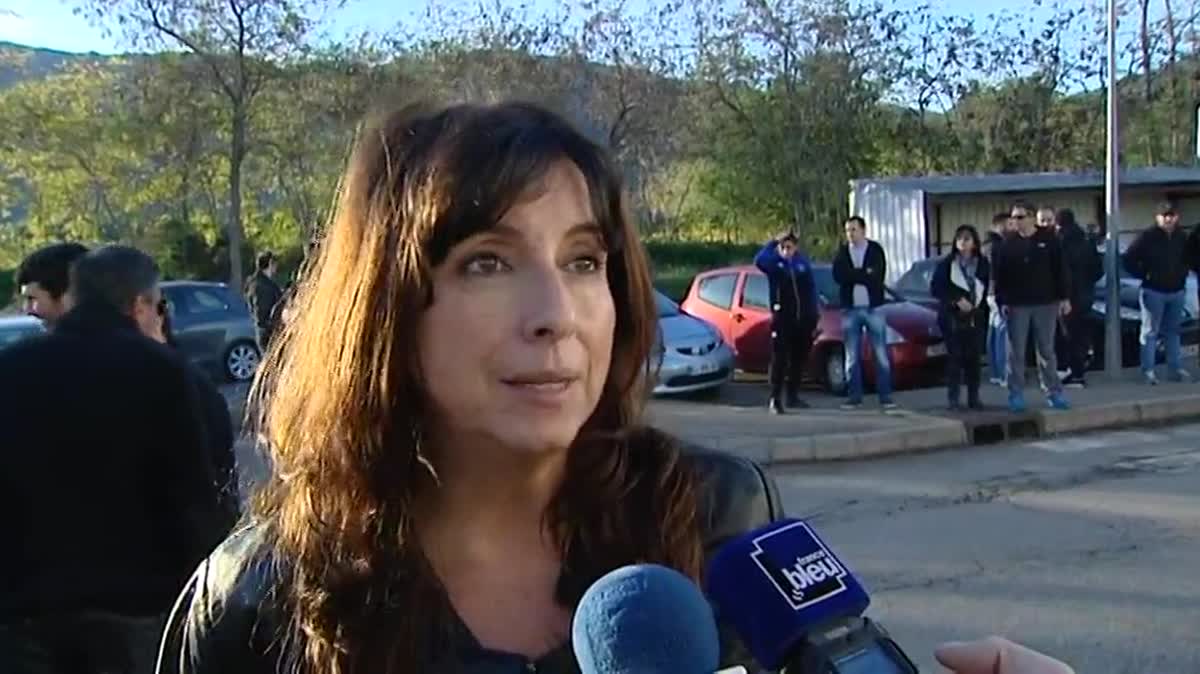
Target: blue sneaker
(1016,403)
(1058,402)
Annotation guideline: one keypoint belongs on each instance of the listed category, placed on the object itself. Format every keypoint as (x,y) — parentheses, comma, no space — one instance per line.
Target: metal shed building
(914,217)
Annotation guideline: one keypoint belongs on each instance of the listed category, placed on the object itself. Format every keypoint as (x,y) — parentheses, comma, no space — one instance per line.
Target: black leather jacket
(226,620)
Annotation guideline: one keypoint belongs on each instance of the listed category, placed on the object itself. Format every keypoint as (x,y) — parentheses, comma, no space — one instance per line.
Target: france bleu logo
(799,565)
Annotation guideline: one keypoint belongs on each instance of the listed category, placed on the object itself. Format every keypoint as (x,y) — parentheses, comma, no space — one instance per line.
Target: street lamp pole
(1112,214)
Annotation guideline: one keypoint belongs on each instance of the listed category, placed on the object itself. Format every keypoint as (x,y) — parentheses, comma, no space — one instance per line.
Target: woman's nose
(548,306)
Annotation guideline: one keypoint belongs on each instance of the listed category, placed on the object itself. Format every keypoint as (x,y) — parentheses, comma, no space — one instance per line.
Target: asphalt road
(1085,547)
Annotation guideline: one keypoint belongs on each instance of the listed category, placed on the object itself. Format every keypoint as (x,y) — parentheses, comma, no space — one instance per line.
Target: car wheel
(241,361)
(835,370)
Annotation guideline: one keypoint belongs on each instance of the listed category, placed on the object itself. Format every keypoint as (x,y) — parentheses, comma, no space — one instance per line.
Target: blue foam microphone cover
(645,619)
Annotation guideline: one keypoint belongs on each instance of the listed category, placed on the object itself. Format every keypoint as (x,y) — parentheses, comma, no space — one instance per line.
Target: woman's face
(965,244)
(515,348)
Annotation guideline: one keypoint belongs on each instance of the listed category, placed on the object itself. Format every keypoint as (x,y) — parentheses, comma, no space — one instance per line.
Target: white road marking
(1085,443)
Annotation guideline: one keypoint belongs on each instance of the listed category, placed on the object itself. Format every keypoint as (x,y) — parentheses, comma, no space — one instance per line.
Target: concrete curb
(940,433)
(934,433)
(1156,411)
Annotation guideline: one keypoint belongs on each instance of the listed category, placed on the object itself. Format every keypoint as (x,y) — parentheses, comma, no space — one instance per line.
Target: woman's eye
(484,264)
(586,264)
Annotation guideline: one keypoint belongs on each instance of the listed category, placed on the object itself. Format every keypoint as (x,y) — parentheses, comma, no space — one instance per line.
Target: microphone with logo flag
(797,607)
(645,619)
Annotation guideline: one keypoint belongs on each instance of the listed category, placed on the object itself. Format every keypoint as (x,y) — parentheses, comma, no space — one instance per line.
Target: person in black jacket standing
(793,316)
(960,282)
(107,500)
(1085,266)
(1032,290)
(219,423)
(859,269)
(1158,256)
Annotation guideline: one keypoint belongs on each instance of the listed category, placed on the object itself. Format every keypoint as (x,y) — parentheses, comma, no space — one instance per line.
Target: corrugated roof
(1035,182)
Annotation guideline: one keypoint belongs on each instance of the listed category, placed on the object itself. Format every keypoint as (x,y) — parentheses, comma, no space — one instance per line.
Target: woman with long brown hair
(454,417)
(454,414)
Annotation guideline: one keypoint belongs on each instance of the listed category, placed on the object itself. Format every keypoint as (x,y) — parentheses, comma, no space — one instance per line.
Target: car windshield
(666,308)
(828,289)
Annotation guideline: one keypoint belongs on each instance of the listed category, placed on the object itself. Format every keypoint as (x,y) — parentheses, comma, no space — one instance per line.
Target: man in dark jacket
(265,297)
(1084,268)
(1032,291)
(42,280)
(1158,256)
(793,316)
(217,420)
(859,268)
(107,500)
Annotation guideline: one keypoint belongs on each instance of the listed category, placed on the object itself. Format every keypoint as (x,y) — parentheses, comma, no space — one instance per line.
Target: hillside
(20,62)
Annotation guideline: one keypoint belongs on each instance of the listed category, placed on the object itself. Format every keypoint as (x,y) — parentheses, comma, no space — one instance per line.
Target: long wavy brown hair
(341,401)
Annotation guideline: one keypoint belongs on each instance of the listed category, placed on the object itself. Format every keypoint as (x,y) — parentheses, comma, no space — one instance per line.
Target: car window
(666,308)
(199,301)
(917,279)
(826,288)
(717,290)
(756,292)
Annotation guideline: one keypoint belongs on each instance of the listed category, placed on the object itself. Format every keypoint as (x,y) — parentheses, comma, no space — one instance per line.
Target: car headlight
(894,337)
(1130,314)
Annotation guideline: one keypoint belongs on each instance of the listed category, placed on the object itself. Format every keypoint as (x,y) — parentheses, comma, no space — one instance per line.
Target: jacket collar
(91,318)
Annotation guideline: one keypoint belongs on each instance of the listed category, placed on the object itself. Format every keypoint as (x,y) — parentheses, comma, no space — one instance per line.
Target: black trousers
(790,344)
(1075,341)
(81,643)
(964,349)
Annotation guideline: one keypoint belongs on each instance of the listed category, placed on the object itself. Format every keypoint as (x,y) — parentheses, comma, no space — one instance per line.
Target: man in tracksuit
(1158,256)
(1032,290)
(793,316)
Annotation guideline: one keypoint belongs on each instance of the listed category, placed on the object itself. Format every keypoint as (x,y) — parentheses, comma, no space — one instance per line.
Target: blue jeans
(1161,315)
(853,323)
(997,345)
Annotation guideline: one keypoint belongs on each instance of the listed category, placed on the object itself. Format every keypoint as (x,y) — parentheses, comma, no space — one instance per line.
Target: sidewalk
(738,422)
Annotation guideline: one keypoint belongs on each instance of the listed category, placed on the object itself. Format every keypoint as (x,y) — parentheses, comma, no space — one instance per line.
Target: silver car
(213,328)
(690,354)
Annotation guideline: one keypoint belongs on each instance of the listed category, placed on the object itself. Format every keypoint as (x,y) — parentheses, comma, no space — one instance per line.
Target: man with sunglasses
(107,495)
(1031,292)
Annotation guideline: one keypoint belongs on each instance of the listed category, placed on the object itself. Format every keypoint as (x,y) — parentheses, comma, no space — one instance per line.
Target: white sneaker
(1150,378)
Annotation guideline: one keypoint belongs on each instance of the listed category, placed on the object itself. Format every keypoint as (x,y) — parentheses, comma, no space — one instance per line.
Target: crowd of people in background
(1032,279)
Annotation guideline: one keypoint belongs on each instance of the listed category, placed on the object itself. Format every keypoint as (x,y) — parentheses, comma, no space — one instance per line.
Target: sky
(51,24)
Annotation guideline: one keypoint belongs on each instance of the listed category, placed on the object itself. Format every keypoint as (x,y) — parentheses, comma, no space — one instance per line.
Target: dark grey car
(213,327)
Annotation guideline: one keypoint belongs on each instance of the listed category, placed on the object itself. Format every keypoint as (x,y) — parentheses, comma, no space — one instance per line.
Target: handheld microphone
(797,607)
(645,619)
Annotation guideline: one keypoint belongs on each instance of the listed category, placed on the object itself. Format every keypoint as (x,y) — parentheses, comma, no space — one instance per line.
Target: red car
(735,300)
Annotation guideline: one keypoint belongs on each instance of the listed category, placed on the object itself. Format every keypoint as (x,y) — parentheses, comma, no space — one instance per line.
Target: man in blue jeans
(1159,257)
(858,269)
(997,335)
